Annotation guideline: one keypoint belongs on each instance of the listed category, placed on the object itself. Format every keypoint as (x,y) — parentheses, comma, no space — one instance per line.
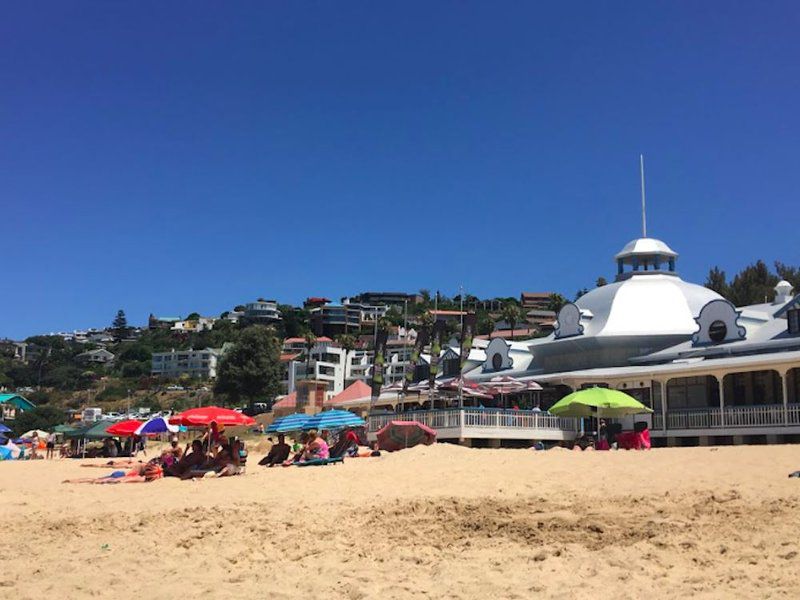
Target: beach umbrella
(397,386)
(203,417)
(397,435)
(9,451)
(155,426)
(38,432)
(4,429)
(421,386)
(124,428)
(598,402)
(293,422)
(503,384)
(334,419)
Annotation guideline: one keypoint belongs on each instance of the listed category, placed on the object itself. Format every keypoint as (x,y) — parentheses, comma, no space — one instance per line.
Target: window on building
(793,316)
(717,331)
(497,361)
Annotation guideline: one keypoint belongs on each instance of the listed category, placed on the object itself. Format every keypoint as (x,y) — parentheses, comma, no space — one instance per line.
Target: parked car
(175,388)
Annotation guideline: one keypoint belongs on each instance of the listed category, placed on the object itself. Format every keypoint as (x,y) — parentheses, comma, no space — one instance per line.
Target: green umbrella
(598,402)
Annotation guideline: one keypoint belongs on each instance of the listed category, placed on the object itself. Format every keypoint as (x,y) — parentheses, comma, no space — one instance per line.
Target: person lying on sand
(277,454)
(126,463)
(140,474)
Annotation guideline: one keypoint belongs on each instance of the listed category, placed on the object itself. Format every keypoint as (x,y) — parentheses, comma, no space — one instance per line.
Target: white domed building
(710,371)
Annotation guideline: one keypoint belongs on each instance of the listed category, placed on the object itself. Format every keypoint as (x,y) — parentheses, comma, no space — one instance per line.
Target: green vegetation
(753,284)
(41,417)
(251,370)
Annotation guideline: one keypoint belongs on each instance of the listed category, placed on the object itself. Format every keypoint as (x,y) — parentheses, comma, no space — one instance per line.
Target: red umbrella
(203,417)
(396,435)
(124,428)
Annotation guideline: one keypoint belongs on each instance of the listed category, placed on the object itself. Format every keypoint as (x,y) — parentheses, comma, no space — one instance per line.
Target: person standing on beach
(51,445)
(34,445)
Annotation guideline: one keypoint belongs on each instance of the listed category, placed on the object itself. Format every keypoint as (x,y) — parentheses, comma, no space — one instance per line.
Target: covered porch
(730,397)
(465,424)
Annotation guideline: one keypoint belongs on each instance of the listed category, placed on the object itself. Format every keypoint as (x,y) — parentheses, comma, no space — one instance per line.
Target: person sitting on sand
(316,448)
(277,454)
(213,438)
(214,464)
(144,473)
(232,461)
(190,460)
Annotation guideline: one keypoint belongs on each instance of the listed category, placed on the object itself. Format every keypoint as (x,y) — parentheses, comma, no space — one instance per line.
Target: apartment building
(262,311)
(201,364)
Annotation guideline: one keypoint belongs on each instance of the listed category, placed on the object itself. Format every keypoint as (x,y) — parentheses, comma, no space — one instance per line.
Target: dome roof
(644,304)
(645,247)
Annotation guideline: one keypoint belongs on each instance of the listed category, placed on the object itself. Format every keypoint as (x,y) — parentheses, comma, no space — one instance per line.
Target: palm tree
(348,344)
(311,340)
(512,315)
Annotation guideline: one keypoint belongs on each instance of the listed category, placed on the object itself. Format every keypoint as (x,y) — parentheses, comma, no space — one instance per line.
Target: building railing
(766,415)
(517,419)
(471,419)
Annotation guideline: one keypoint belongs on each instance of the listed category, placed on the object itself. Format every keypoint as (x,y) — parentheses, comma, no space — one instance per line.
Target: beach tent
(68,430)
(397,435)
(9,451)
(95,431)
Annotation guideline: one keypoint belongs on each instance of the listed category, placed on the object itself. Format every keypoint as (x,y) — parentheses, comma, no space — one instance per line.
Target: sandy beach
(436,522)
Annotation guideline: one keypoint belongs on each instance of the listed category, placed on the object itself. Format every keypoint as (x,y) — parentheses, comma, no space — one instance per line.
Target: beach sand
(434,522)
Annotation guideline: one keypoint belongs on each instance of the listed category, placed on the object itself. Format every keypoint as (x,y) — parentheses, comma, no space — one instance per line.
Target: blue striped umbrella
(334,419)
(4,429)
(156,425)
(294,422)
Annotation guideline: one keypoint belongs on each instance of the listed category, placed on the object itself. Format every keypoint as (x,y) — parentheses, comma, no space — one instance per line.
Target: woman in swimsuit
(316,448)
(142,474)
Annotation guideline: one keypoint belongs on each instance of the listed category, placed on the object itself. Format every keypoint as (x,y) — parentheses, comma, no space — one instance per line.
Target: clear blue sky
(190,156)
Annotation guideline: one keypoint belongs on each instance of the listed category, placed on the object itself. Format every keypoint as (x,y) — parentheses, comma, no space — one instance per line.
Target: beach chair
(319,462)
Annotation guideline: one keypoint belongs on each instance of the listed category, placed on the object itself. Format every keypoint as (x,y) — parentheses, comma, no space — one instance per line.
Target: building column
(721,385)
(663,383)
(784,373)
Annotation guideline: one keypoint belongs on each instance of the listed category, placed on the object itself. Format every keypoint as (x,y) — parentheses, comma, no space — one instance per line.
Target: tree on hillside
(347,343)
(716,281)
(601,281)
(295,320)
(251,370)
(484,324)
(752,285)
(41,417)
(120,325)
(193,317)
(580,293)
(790,274)
(311,341)
(512,314)
(556,302)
